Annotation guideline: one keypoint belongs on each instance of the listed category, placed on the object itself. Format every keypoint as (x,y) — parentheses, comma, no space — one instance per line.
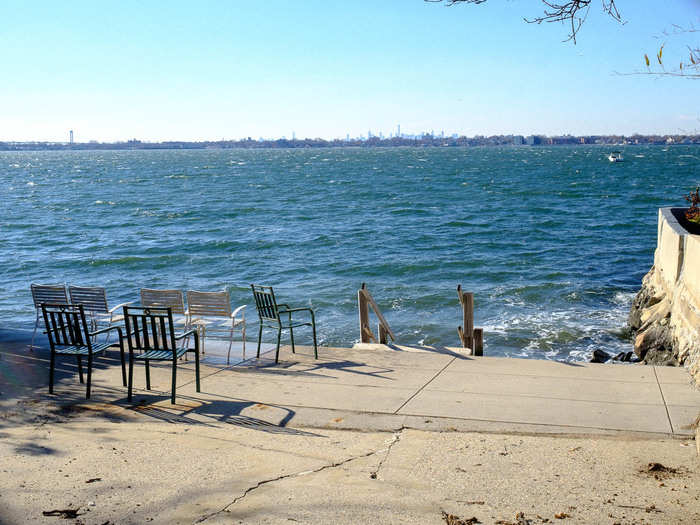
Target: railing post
(466,334)
(364,301)
(478,342)
(382,333)
(365,332)
(472,338)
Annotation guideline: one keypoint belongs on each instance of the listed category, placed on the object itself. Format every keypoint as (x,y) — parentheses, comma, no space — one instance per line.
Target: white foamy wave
(30,183)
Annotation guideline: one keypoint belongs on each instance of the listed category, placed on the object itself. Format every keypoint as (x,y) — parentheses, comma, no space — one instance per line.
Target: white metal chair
(46,293)
(94,301)
(205,311)
(173,299)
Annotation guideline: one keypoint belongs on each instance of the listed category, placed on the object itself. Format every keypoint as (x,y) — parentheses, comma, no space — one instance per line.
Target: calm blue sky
(320,68)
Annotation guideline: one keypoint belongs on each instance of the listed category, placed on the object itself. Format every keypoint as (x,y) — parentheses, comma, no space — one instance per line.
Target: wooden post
(364,301)
(382,333)
(365,333)
(478,342)
(466,334)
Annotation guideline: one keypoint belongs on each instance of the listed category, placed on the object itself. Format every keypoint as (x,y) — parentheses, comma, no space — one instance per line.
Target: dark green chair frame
(151,336)
(67,330)
(269,313)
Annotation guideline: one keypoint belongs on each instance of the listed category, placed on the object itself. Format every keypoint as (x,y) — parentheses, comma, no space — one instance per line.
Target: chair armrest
(282,304)
(237,310)
(120,305)
(185,334)
(105,330)
(290,310)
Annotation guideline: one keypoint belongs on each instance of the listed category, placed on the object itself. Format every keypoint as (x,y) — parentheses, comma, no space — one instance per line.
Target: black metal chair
(68,334)
(269,313)
(46,293)
(150,332)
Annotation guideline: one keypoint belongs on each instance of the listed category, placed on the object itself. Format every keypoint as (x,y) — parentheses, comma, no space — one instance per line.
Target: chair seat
(161,355)
(214,322)
(82,350)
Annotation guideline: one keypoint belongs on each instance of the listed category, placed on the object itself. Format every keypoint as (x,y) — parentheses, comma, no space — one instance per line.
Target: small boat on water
(615,156)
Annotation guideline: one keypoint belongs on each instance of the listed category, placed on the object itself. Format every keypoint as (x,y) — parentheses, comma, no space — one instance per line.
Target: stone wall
(666,311)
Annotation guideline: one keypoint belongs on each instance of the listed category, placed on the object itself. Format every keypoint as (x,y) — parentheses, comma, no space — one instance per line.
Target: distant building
(71,136)
(518,140)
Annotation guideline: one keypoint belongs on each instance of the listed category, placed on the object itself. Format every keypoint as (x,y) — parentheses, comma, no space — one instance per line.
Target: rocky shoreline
(665,314)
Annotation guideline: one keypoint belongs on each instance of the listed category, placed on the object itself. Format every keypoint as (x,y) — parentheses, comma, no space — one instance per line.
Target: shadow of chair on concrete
(206,412)
(284,368)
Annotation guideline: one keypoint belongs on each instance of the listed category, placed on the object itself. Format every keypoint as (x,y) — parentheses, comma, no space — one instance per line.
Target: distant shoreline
(372,142)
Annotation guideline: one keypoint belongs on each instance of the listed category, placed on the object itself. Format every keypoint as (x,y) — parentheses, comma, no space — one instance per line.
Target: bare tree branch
(572,11)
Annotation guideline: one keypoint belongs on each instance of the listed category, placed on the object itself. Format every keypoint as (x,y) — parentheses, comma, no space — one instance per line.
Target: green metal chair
(67,330)
(150,332)
(270,314)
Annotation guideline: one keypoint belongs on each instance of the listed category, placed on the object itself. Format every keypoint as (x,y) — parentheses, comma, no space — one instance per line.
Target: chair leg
(196,369)
(230,343)
(148,375)
(243,332)
(36,325)
(259,339)
(121,355)
(80,368)
(313,328)
(172,393)
(131,375)
(89,378)
(291,333)
(277,352)
(51,367)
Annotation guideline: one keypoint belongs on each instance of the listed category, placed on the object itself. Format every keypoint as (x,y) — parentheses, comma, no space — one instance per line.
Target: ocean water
(553,241)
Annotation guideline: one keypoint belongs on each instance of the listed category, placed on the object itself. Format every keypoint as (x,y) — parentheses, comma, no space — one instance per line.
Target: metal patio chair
(150,332)
(270,315)
(94,301)
(173,299)
(205,311)
(46,293)
(68,334)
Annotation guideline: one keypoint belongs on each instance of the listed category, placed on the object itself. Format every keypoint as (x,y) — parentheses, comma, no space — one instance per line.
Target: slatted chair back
(174,299)
(49,293)
(66,325)
(93,298)
(266,303)
(208,304)
(150,328)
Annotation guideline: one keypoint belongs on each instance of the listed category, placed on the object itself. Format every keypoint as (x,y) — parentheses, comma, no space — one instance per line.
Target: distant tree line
(424,141)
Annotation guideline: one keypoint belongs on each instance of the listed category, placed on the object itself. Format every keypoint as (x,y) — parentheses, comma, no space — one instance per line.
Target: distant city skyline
(179,71)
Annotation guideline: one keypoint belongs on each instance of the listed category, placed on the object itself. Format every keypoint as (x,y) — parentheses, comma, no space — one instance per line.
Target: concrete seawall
(666,311)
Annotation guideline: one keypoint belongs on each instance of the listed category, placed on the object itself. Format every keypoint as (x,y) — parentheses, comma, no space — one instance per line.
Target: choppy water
(553,241)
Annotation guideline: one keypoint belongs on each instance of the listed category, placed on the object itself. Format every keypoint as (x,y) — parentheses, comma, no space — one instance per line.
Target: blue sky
(319,68)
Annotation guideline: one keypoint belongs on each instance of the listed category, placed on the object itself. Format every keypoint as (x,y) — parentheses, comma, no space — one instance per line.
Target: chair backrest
(209,304)
(265,303)
(174,299)
(149,328)
(65,324)
(93,298)
(49,293)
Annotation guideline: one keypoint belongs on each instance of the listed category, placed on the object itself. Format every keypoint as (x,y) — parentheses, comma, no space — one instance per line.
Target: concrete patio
(368,435)
(385,388)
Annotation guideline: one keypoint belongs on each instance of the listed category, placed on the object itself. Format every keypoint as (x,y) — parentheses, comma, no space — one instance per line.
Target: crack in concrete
(395,439)
(387,449)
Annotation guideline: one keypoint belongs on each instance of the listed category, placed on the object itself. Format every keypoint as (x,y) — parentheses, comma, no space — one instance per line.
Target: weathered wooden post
(364,301)
(472,338)
(365,333)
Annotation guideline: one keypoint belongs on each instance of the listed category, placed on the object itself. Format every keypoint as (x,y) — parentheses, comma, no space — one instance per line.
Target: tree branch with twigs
(573,12)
